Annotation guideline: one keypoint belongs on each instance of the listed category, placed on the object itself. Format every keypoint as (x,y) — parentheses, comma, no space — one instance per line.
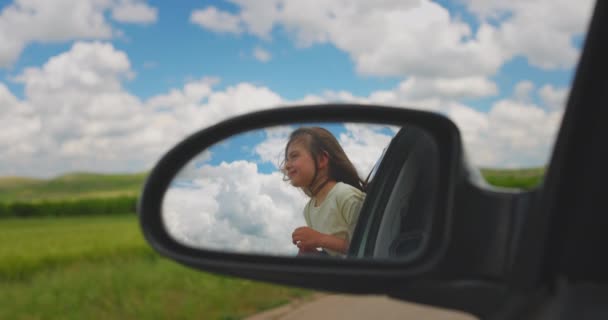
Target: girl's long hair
(318,141)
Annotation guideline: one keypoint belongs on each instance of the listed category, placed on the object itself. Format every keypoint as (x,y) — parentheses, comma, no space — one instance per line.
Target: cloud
(83,112)
(391,38)
(554,98)
(88,67)
(386,39)
(20,123)
(450,88)
(24,22)
(431,93)
(215,20)
(133,11)
(234,207)
(261,54)
(523,90)
(76,114)
(364,144)
(191,94)
(197,105)
(492,137)
(272,150)
(527,28)
(512,134)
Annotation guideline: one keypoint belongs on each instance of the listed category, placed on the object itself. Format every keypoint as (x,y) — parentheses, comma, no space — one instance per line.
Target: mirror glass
(245,194)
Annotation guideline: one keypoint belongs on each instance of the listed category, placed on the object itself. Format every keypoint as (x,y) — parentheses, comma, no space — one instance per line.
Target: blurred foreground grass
(101,268)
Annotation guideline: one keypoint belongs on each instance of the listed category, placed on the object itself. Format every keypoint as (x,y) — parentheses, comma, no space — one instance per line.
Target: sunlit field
(70,186)
(515,178)
(101,268)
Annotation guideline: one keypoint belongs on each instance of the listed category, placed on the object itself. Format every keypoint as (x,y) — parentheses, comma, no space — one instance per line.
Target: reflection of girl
(315,162)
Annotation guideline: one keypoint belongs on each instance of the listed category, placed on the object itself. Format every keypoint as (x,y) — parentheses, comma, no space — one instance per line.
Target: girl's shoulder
(343,190)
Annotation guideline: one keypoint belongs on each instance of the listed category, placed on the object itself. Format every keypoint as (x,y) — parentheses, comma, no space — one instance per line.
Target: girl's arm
(308,238)
(327,241)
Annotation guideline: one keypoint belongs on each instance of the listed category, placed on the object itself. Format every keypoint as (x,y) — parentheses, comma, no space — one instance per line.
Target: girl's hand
(307,238)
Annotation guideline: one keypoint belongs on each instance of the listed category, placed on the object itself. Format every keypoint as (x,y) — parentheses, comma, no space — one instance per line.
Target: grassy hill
(514,178)
(93,185)
(71,186)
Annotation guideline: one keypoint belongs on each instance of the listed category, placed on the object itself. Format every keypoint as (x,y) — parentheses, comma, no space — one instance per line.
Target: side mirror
(218,201)
(220,197)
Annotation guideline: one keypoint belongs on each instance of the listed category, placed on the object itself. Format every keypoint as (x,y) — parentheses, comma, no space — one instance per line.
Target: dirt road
(353,307)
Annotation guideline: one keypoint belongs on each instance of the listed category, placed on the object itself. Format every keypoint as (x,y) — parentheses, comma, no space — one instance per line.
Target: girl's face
(299,165)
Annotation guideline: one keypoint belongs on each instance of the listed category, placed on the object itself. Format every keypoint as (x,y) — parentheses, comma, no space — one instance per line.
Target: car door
(395,216)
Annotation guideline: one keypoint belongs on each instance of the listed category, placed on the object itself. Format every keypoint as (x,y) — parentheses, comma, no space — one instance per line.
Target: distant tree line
(77,207)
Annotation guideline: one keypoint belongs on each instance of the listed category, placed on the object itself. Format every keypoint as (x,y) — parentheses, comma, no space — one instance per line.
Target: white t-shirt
(337,215)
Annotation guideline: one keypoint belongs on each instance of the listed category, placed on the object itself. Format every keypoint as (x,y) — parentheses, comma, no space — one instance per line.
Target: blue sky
(172,50)
(162,70)
(246,146)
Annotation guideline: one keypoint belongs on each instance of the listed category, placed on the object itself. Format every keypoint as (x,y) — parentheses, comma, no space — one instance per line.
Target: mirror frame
(370,275)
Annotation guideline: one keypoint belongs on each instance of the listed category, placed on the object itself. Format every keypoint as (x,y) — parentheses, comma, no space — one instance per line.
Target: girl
(316,163)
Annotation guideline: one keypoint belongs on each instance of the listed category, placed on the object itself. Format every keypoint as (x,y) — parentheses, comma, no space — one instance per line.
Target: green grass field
(70,186)
(514,178)
(90,185)
(101,268)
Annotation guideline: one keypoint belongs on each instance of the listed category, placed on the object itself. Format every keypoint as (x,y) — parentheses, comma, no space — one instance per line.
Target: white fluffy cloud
(261,54)
(86,68)
(133,11)
(26,21)
(418,38)
(364,144)
(234,207)
(19,123)
(492,138)
(544,36)
(382,37)
(523,89)
(216,20)
(79,111)
(429,93)
(272,150)
(451,88)
(514,133)
(76,114)
(554,98)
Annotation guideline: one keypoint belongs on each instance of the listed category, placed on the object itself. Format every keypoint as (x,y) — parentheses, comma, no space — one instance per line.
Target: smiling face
(299,164)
